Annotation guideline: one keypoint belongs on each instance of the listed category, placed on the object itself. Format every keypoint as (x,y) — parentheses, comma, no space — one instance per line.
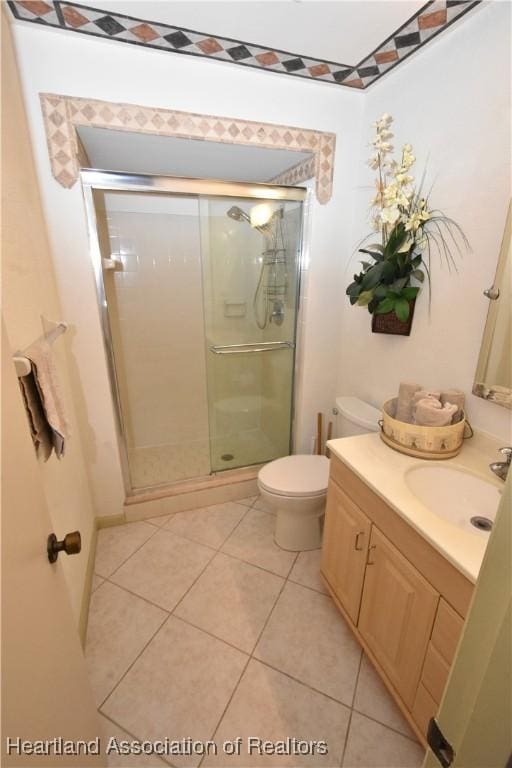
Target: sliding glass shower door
(250,257)
(198,294)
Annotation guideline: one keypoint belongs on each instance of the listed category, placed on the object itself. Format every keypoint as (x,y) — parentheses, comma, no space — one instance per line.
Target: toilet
(295,487)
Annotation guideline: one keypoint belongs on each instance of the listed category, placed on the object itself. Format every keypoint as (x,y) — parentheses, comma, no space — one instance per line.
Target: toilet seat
(296,476)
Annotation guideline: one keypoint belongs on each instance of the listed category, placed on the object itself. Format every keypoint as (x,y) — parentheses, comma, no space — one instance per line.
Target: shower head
(237,214)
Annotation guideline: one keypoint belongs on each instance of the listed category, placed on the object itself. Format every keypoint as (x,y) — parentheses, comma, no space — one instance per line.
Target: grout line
(349,724)
(164,620)
(301,682)
(140,597)
(196,541)
(386,725)
(122,728)
(134,551)
(251,656)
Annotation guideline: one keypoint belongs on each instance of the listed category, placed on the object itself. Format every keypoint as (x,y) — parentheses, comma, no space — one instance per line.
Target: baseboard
(107,521)
(86,595)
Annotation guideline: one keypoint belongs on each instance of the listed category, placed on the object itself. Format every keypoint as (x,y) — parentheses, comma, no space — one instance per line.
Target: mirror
(493,378)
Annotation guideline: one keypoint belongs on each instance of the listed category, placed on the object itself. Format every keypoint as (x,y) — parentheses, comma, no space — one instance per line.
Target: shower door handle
(239,349)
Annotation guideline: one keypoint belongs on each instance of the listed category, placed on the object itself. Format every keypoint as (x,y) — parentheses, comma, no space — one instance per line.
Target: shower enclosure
(198,285)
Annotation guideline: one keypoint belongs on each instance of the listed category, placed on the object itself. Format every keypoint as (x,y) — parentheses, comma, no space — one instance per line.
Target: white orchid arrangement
(408,228)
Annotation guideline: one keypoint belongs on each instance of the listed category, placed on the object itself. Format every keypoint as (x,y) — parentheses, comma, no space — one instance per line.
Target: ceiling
(164,155)
(344,31)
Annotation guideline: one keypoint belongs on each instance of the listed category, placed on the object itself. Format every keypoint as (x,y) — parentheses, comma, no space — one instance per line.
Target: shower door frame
(117,181)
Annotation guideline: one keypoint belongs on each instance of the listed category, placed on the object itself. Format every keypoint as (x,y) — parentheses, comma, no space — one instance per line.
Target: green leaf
(399,284)
(354,289)
(365,298)
(416,261)
(377,247)
(374,254)
(366,265)
(373,276)
(402,309)
(387,305)
(410,293)
(418,274)
(381,291)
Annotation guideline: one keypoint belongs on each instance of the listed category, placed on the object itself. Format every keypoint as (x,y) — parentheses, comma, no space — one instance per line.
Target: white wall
(59,62)
(452,102)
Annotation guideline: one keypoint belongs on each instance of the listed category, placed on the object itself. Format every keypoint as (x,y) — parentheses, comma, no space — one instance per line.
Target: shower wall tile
(160,342)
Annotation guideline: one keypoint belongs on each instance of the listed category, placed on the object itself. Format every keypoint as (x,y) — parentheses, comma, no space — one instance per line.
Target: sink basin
(463,499)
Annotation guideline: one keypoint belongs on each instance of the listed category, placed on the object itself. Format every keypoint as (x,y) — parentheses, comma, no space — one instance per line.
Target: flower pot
(389,322)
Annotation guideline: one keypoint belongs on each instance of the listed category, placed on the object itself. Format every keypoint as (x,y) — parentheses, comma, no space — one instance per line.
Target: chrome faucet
(501,468)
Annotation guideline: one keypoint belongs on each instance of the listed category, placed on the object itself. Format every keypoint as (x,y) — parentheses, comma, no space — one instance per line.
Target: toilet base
(298,535)
(299,520)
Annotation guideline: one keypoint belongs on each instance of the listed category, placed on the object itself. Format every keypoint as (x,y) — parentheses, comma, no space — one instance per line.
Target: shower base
(157,465)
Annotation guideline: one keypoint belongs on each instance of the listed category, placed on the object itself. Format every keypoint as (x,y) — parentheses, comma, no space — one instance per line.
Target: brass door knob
(71,544)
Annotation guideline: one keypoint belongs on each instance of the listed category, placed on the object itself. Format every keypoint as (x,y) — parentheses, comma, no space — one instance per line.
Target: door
(45,690)
(198,291)
(397,614)
(475,716)
(251,259)
(345,548)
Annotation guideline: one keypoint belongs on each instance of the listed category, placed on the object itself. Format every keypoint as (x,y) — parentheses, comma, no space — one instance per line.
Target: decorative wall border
(62,114)
(423,26)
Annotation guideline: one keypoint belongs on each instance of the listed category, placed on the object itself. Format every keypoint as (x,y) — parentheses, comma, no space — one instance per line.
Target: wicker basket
(421,442)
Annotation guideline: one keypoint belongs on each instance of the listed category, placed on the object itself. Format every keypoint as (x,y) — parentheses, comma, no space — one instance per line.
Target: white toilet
(295,487)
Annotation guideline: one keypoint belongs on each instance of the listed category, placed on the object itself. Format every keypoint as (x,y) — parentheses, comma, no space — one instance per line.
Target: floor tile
(159,521)
(117,543)
(253,541)
(208,525)
(371,745)
(372,699)
(97,581)
(271,706)
(119,627)
(232,600)
(262,506)
(248,502)
(164,568)
(178,688)
(306,570)
(307,638)
(112,737)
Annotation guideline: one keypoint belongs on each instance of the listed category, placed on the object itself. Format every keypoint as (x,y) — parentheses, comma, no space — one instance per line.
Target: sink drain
(482,523)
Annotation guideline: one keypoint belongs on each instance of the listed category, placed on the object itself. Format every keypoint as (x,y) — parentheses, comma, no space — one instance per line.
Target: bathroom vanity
(401,573)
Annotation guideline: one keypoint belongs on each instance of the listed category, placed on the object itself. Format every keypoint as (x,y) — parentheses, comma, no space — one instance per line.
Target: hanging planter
(408,229)
(388,322)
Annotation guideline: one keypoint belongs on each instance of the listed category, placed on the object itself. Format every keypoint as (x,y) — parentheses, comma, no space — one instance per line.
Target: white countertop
(383,470)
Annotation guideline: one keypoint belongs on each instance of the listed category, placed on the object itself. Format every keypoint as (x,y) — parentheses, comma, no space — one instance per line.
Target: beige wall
(29,291)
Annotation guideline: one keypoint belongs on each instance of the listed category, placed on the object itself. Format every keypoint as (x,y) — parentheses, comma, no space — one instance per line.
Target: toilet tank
(355,417)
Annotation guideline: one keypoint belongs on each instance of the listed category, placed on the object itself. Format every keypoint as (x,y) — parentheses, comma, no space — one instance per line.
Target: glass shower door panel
(250,254)
(152,275)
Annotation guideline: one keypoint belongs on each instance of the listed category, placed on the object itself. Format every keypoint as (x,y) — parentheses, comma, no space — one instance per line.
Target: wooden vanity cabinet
(346,540)
(398,607)
(402,599)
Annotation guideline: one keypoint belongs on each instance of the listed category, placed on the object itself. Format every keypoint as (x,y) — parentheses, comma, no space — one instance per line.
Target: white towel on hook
(47,381)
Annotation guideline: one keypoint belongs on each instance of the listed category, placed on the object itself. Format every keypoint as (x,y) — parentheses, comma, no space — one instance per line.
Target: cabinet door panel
(345,547)
(397,613)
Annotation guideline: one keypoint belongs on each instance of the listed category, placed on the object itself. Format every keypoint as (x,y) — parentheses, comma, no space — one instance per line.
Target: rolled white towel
(455,397)
(430,413)
(404,403)
(434,394)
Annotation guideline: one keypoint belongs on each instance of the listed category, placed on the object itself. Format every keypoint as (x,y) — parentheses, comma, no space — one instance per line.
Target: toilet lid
(296,476)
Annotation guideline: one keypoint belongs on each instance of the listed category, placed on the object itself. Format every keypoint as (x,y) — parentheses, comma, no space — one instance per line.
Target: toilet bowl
(295,488)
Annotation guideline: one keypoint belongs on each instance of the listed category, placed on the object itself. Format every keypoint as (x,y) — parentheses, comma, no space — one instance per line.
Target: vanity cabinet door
(397,614)
(345,546)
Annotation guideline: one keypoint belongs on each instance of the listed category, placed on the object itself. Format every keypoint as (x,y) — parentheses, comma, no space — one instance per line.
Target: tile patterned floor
(201,627)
